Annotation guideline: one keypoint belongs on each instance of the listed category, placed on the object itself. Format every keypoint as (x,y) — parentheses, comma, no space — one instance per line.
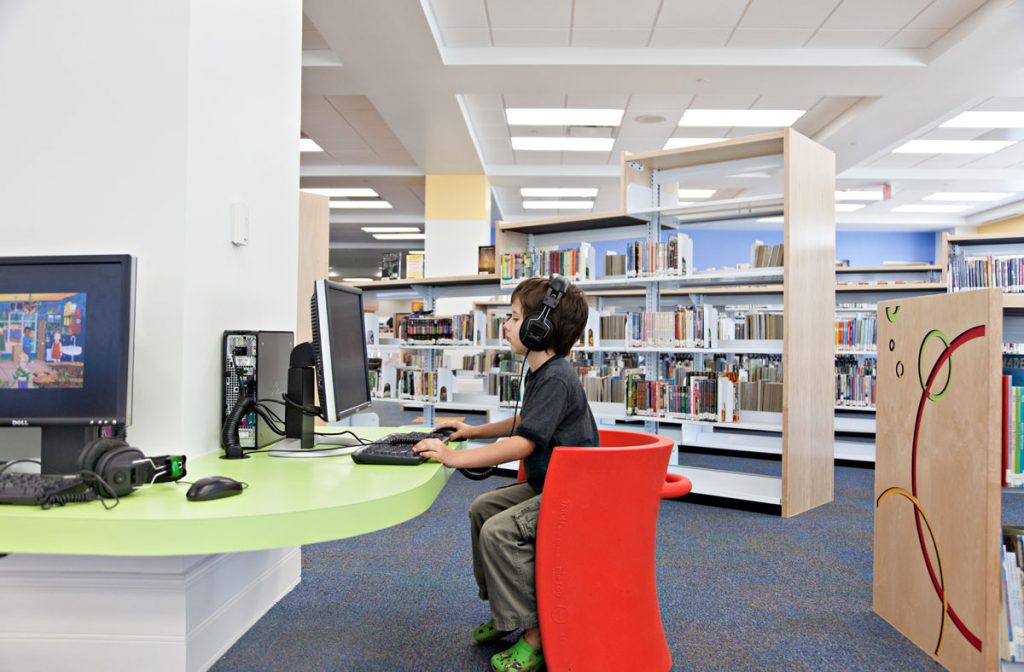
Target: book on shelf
(766,256)
(414,266)
(485,259)
(673,257)
(391,266)
(615,265)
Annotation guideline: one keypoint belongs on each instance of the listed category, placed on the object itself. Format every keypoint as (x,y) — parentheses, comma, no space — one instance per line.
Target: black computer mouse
(213,487)
(447,431)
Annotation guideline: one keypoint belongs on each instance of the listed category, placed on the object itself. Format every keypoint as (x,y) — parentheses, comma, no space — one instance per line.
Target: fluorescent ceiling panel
(558,192)
(562,144)
(392,229)
(855,195)
(562,117)
(558,205)
(359,205)
(976,196)
(986,120)
(400,236)
(746,118)
(931,208)
(308,145)
(347,192)
(695,193)
(679,143)
(952,146)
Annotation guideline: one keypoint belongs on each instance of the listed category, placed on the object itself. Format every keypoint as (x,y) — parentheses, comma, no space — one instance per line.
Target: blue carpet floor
(739,590)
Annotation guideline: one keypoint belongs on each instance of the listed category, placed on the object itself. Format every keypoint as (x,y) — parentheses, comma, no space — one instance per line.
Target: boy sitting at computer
(547,318)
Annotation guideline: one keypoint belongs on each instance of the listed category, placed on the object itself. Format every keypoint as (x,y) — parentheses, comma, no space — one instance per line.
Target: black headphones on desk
(124,468)
(536,331)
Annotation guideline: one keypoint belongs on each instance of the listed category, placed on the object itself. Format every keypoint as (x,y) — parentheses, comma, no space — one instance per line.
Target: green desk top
(289,502)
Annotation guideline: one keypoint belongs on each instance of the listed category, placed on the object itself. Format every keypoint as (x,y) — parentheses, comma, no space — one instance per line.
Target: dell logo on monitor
(19,423)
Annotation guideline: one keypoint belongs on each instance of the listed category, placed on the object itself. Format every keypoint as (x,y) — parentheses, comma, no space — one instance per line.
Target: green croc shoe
(488,632)
(520,658)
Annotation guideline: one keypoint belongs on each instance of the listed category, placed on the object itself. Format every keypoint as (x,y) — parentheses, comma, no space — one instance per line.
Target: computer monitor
(339,349)
(66,337)
(336,358)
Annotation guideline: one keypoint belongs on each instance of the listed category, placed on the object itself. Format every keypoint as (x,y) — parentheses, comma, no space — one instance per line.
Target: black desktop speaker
(537,331)
(123,468)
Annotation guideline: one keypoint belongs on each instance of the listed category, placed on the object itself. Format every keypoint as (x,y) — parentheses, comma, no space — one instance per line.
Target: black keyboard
(395,449)
(42,489)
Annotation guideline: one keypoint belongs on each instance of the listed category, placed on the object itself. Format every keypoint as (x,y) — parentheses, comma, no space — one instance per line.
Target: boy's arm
(507,450)
(496,430)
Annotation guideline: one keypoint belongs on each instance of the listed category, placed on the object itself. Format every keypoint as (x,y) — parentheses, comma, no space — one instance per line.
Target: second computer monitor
(342,370)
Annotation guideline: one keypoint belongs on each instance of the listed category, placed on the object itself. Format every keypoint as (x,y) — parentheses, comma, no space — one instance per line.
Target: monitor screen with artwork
(66,336)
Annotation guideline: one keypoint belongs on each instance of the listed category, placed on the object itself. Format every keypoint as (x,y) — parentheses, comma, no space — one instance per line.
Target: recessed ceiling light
(558,205)
(356,280)
(747,118)
(695,193)
(400,236)
(308,145)
(562,117)
(359,205)
(952,146)
(855,195)
(563,144)
(848,207)
(986,120)
(557,192)
(931,208)
(391,229)
(967,196)
(679,143)
(346,192)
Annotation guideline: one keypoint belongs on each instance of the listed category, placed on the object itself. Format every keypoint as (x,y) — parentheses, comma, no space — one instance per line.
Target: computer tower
(256,366)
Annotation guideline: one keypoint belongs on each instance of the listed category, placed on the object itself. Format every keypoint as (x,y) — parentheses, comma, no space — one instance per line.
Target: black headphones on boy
(114,469)
(536,331)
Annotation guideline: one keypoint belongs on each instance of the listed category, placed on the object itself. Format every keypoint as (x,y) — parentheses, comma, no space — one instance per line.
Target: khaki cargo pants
(503,525)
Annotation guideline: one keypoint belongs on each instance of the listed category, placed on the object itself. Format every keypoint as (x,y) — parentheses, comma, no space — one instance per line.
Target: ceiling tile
(777,38)
(881,14)
(947,161)
(668,104)
(849,39)
(787,14)
(896,161)
(527,100)
(823,113)
(778,101)
(350,102)
(529,14)
(944,14)
(615,15)
(461,38)
(585,37)
(1002,104)
(484,108)
(587,158)
(553,37)
(682,38)
(538,158)
(723,101)
(312,39)
(913,39)
(700,14)
(614,101)
(459,13)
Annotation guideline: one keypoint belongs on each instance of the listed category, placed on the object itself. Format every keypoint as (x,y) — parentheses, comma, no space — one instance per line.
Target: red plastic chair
(597,596)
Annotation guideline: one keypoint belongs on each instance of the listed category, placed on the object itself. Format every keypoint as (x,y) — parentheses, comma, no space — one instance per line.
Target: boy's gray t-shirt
(555,412)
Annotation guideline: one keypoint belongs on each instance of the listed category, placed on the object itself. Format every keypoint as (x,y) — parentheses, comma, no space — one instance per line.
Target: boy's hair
(568,320)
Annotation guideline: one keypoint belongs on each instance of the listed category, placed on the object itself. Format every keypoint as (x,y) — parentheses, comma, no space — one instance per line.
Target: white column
(131,127)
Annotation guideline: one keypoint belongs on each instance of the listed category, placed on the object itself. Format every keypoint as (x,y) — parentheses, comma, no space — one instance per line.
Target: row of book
(855,382)
(976,271)
(577,264)
(465,329)
(699,327)
(1013,422)
(1011,645)
(857,333)
(766,256)
(673,257)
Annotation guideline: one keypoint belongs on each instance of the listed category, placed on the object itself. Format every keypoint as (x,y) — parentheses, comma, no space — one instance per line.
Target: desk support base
(173,614)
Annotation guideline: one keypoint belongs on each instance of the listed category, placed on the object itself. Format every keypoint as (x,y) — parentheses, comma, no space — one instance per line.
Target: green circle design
(920,353)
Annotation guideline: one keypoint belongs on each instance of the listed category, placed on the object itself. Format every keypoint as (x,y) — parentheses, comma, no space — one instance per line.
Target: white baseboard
(160,614)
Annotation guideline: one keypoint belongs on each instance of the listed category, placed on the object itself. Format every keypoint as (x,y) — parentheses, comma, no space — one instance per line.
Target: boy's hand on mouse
(462,430)
(438,450)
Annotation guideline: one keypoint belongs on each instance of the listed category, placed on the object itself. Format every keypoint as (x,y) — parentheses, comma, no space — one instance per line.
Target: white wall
(131,127)
(450,247)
